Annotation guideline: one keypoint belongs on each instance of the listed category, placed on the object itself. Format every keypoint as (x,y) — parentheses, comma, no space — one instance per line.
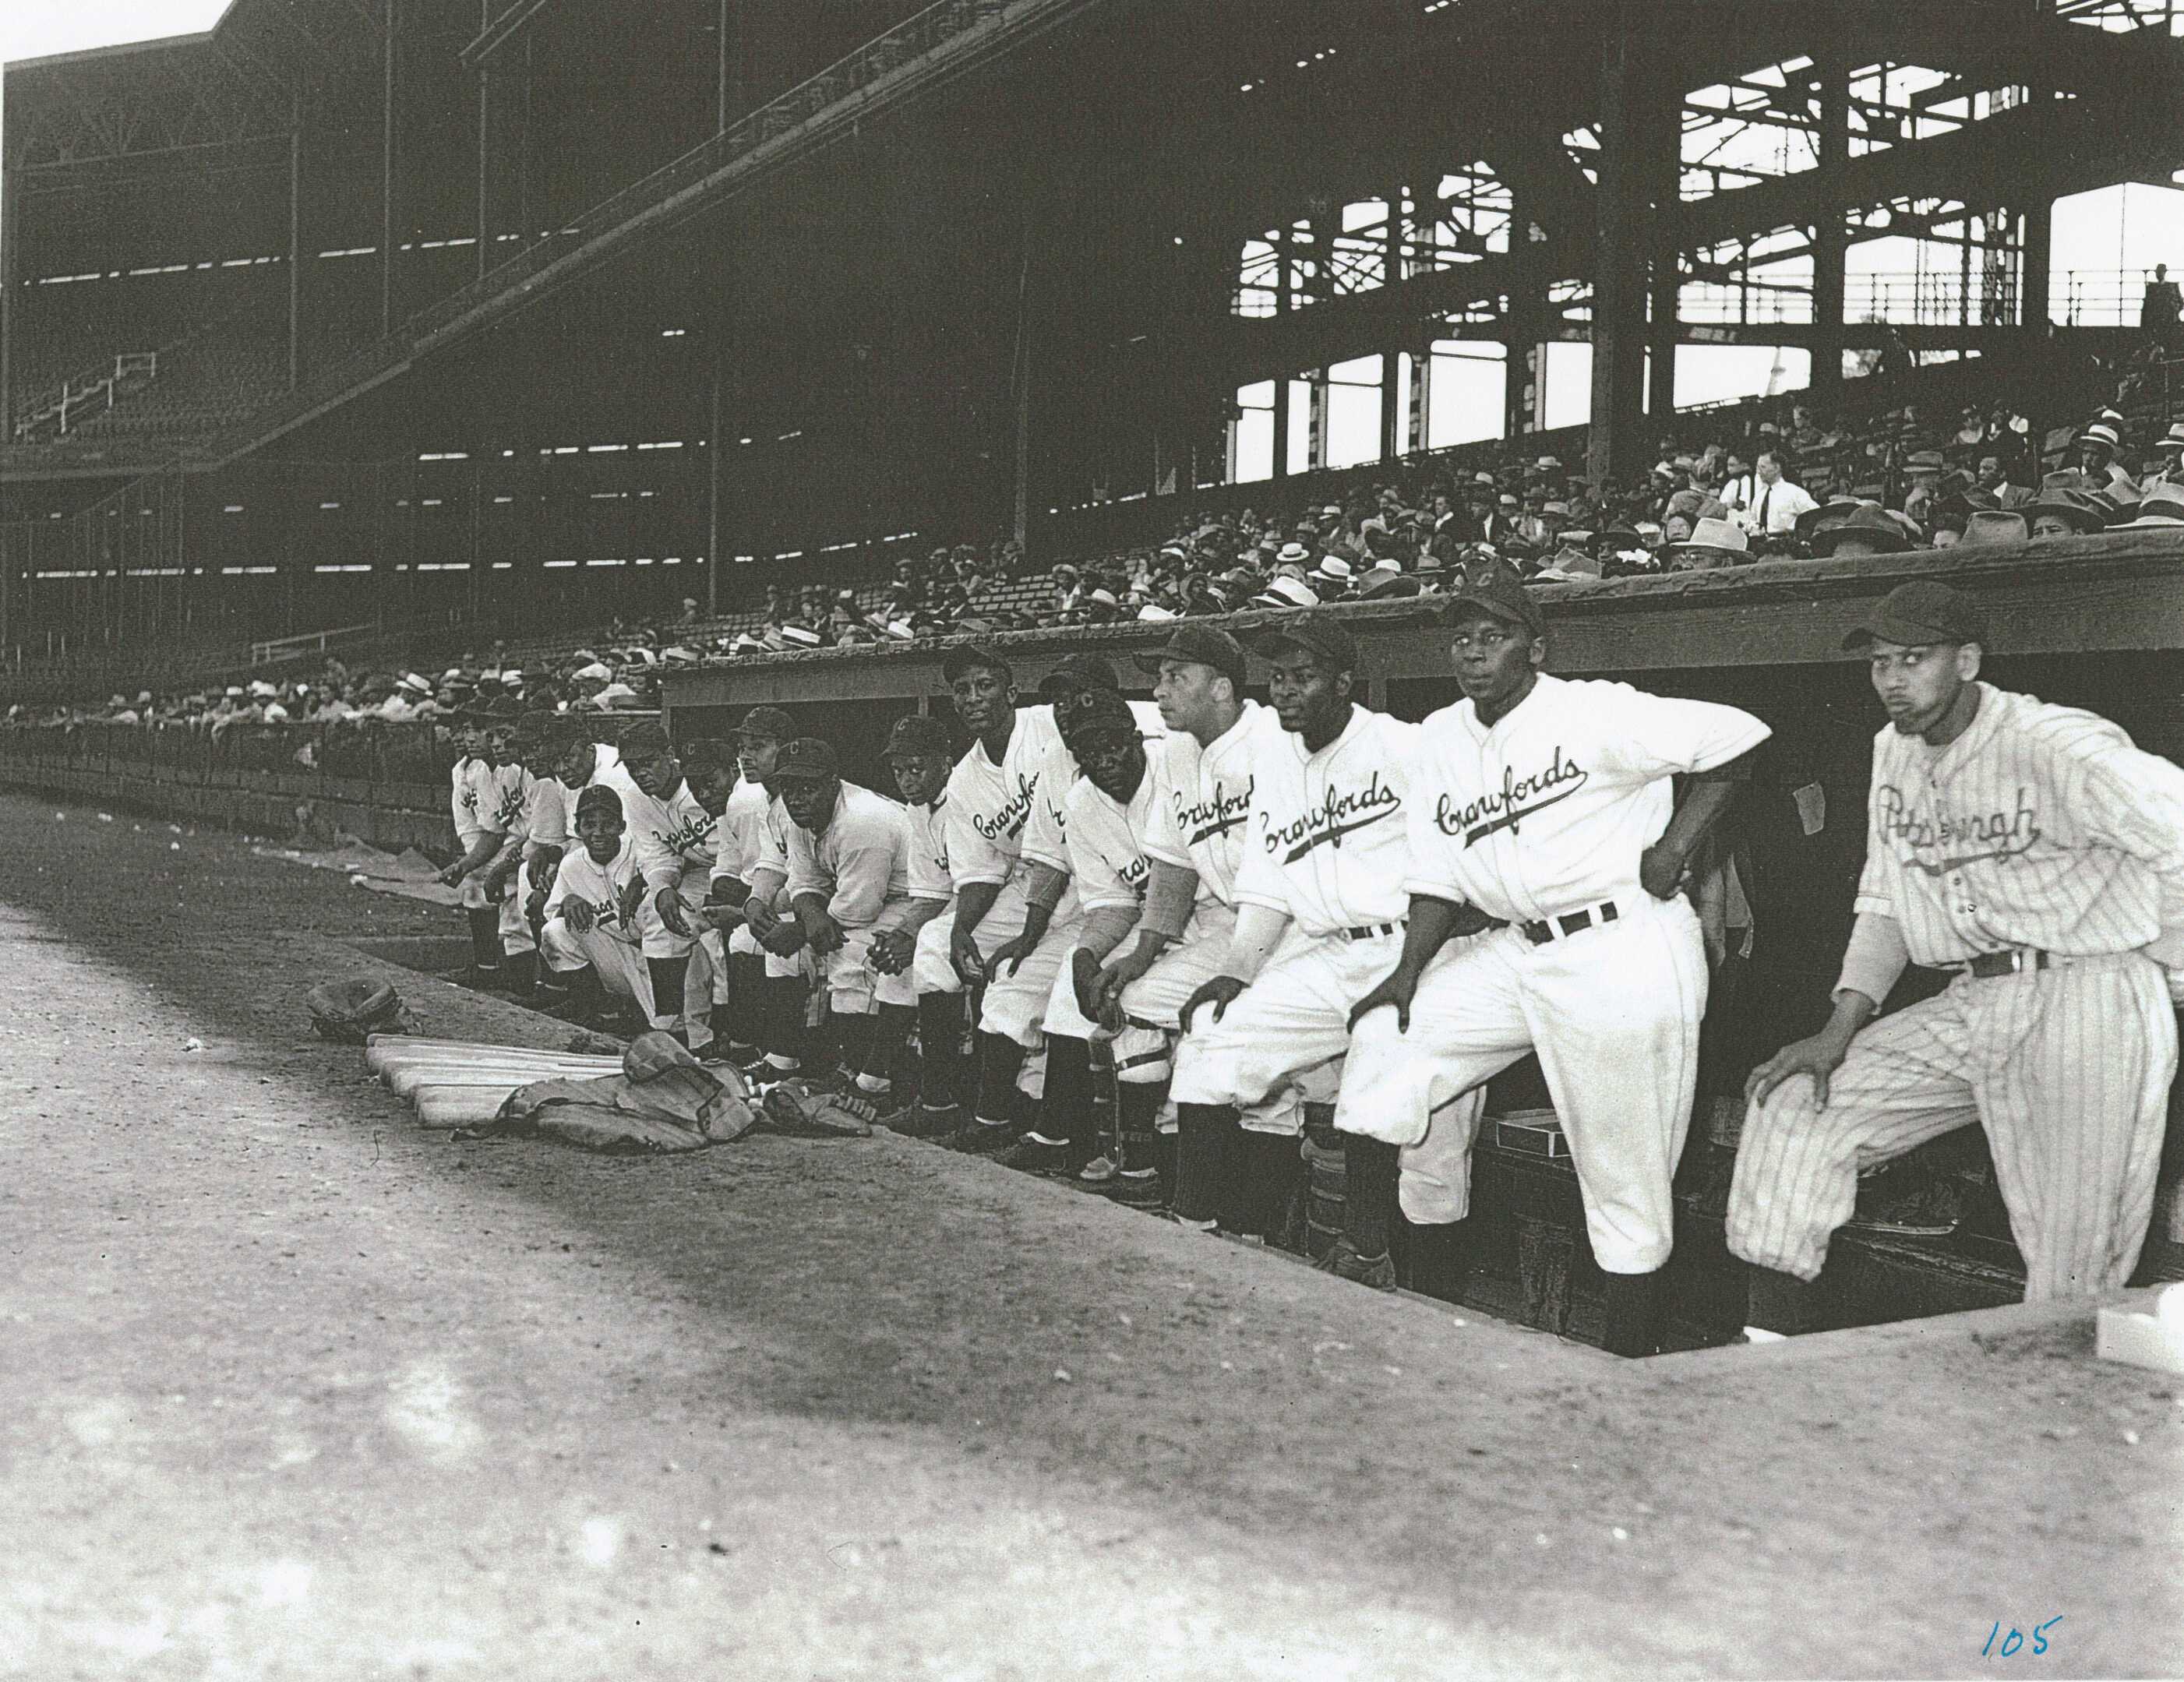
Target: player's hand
(453,875)
(668,902)
(761,918)
(1664,872)
(782,939)
(1084,974)
(964,954)
(1117,975)
(534,908)
(496,879)
(577,914)
(891,951)
(1220,992)
(627,902)
(824,933)
(1011,953)
(1819,1057)
(1398,990)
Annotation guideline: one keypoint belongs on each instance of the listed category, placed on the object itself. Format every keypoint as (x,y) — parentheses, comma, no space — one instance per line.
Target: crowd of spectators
(1788,480)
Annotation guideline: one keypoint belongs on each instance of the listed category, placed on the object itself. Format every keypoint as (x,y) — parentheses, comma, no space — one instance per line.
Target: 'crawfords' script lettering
(1518,797)
(1334,818)
(1940,843)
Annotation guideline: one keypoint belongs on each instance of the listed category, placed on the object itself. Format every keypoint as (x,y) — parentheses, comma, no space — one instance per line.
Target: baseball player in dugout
(1192,834)
(2036,853)
(673,836)
(849,882)
(1319,921)
(764,952)
(920,757)
(1548,860)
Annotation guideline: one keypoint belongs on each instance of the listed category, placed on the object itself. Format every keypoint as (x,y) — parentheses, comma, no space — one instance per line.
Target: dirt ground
(290,1388)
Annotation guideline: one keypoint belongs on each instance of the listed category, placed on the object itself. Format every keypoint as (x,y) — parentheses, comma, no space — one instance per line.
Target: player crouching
(593,940)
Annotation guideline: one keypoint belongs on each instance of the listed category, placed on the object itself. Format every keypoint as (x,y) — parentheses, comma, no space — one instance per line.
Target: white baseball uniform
(675,849)
(504,797)
(1540,820)
(1197,822)
(1324,846)
(472,781)
(612,947)
(860,861)
(2040,829)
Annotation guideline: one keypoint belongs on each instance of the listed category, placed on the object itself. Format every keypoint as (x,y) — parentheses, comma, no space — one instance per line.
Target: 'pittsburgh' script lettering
(1948,841)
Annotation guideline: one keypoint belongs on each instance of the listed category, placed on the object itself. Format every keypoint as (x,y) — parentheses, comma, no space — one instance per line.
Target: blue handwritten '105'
(2015,1639)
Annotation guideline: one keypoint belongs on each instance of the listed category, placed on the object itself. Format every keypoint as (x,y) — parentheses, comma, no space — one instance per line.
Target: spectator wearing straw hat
(2063,511)
(1712,542)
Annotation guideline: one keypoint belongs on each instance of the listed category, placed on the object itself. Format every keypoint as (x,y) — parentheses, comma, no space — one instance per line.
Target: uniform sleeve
(1661,735)
(972,857)
(1427,872)
(559,891)
(1099,885)
(1259,879)
(807,875)
(869,864)
(732,843)
(546,814)
(928,866)
(462,803)
(659,863)
(2134,801)
(1046,829)
(1162,840)
(1878,879)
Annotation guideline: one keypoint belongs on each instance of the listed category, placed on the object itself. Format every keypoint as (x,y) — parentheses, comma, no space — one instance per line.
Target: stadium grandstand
(396,315)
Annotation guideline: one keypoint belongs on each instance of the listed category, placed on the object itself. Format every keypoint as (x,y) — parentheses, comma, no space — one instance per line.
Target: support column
(387,175)
(295,242)
(2032,299)
(1664,289)
(484,171)
(1830,244)
(11,219)
(1393,391)
(1618,287)
(726,96)
(716,457)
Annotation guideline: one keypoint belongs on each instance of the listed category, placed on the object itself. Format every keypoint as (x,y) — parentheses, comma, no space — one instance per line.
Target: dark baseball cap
(807,756)
(770,722)
(1204,644)
(647,740)
(968,656)
(1501,596)
(599,796)
(916,733)
(1099,713)
(1079,672)
(1917,615)
(1316,634)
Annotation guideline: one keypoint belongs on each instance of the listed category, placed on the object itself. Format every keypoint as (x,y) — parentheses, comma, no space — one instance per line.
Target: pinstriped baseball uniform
(1324,845)
(1542,814)
(2040,828)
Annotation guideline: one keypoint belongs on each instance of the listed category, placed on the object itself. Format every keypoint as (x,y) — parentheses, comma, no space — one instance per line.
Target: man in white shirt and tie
(1777,504)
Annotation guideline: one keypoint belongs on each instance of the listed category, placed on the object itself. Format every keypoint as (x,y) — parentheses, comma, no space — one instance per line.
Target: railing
(64,401)
(281,648)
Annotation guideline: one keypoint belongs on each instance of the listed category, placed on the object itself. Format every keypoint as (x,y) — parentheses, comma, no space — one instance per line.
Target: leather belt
(1576,922)
(1370,930)
(1989,965)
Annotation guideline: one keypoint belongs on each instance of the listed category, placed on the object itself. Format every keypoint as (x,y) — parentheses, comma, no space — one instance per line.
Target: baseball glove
(350,1011)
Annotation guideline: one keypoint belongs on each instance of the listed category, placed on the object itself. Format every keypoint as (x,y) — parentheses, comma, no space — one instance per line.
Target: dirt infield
(288,1387)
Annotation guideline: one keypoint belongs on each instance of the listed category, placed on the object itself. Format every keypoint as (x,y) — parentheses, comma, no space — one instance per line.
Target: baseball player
(918,753)
(1320,907)
(471,769)
(766,977)
(592,938)
(577,763)
(848,882)
(673,833)
(2038,855)
(505,818)
(1192,839)
(1548,857)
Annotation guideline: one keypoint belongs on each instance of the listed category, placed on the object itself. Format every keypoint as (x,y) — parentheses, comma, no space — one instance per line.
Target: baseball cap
(770,722)
(916,733)
(1916,615)
(1501,595)
(708,754)
(965,656)
(1204,644)
(1099,713)
(1315,635)
(807,756)
(597,797)
(647,740)
(1079,672)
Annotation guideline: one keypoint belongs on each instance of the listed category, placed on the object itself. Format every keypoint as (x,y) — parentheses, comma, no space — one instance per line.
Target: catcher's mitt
(799,1108)
(349,1012)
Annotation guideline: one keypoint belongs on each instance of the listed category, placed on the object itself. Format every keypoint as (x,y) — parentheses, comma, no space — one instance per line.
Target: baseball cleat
(1036,1156)
(1343,1260)
(921,1120)
(1096,1173)
(1134,1190)
(983,1139)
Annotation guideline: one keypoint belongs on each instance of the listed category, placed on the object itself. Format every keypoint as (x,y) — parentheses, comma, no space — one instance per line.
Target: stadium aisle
(279,1373)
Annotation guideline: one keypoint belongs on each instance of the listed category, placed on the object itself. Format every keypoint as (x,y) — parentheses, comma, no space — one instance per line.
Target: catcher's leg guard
(1204,1161)
(485,938)
(1138,1177)
(939,1049)
(1371,1167)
